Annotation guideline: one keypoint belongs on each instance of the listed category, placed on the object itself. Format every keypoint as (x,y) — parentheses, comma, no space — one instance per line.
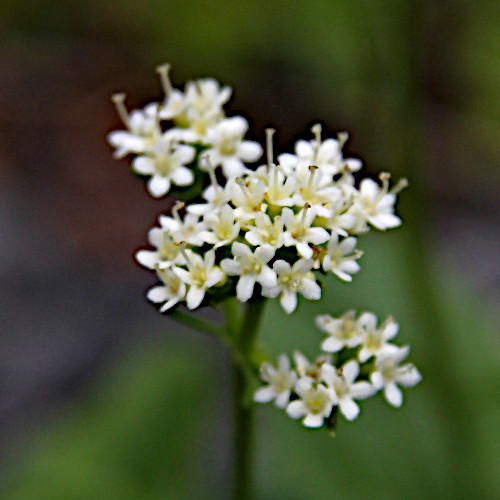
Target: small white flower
(247,195)
(166,165)
(281,382)
(315,403)
(222,228)
(388,374)
(293,280)
(344,389)
(188,229)
(299,232)
(250,267)
(201,275)
(342,332)
(173,290)
(228,147)
(306,369)
(265,231)
(340,258)
(376,204)
(166,254)
(375,339)
(143,129)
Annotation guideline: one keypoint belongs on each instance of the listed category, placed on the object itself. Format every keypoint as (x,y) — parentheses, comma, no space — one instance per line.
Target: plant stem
(243,412)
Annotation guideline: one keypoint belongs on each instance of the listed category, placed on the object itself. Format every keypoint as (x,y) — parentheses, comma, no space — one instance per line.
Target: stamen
(211,172)
(294,284)
(342,137)
(316,130)
(269,145)
(304,213)
(175,210)
(399,186)
(244,187)
(118,101)
(182,249)
(163,70)
(312,169)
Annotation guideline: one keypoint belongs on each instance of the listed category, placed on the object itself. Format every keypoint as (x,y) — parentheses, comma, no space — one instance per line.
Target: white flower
(166,165)
(247,195)
(340,258)
(222,227)
(143,129)
(375,204)
(281,382)
(228,147)
(342,332)
(388,374)
(216,196)
(266,231)
(201,275)
(173,291)
(299,232)
(317,194)
(188,229)
(250,267)
(279,187)
(306,369)
(315,403)
(344,389)
(166,254)
(293,280)
(375,339)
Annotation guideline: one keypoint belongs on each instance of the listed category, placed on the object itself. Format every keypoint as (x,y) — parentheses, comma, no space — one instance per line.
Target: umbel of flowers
(258,231)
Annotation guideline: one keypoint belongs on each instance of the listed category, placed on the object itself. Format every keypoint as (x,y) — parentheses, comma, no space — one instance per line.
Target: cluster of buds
(269,231)
(358,362)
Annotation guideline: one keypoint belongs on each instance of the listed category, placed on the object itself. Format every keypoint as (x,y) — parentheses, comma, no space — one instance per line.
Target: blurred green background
(104,398)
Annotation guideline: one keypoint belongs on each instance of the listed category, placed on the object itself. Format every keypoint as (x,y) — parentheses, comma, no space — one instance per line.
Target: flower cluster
(365,362)
(198,124)
(279,226)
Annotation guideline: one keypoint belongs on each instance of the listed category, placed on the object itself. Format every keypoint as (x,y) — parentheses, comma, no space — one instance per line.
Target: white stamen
(269,145)
(312,169)
(163,70)
(118,101)
(399,186)
(175,210)
(342,137)
(304,213)
(182,249)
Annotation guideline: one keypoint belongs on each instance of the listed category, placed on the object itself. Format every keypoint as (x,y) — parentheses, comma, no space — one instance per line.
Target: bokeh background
(101,396)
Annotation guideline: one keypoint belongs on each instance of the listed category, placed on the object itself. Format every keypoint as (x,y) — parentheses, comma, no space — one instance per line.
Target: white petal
(267,277)
(296,409)
(182,176)
(244,288)
(310,289)
(288,301)
(350,371)
(158,294)
(147,258)
(264,394)
(250,151)
(377,380)
(393,394)
(144,165)
(409,378)
(265,253)
(240,249)
(331,344)
(282,400)
(231,267)
(362,390)
(158,186)
(349,408)
(313,421)
(194,297)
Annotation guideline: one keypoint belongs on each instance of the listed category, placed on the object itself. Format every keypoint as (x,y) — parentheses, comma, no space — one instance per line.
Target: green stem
(220,333)
(243,412)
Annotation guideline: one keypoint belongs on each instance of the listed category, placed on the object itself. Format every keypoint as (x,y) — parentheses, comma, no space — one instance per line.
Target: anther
(163,70)
(316,130)
(118,101)
(399,186)
(312,169)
